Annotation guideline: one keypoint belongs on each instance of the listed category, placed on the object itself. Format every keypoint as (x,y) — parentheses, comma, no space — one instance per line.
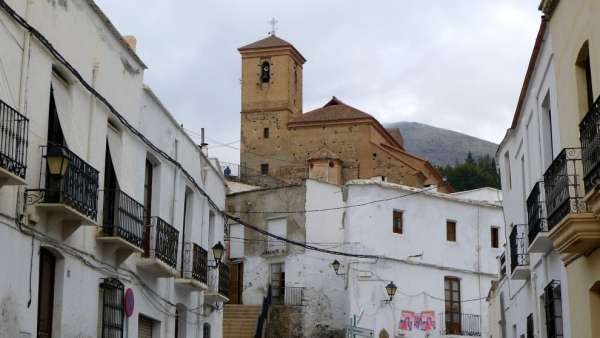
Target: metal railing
(195,263)
(162,242)
(264,314)
(223,286)
(519,255)
(563,186)
(123,217)
(589,135)
(460,324)
(14,133)
(536,212)
(287,295)
(237,172)
(77,189)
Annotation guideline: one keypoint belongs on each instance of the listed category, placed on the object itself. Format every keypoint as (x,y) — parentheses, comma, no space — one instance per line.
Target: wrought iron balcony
(537,224)
(14,132)
(123,219)
(564,187)
(218,285)
(589,134)
(456,323)
(160,248)
(194,272)
(519,257)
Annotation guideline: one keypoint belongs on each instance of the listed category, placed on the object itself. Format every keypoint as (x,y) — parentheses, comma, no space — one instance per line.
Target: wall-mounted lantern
(58,161)
(391,289)
(218,250)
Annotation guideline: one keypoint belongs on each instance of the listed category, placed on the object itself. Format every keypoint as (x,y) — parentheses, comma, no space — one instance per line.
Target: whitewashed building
(530,298)
(421,240)
(108,210)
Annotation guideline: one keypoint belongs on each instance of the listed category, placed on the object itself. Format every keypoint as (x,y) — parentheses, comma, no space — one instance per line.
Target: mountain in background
(440,146)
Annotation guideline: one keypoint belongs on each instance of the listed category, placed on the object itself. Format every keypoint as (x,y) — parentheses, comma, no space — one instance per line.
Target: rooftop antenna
(273,22)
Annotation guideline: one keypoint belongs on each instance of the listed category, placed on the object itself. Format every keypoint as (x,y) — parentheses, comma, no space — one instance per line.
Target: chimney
(131,41)
(203,145)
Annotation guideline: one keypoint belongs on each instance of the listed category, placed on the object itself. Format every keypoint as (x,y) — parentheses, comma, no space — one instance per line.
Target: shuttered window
(398,226)
(451,231)
(144,327)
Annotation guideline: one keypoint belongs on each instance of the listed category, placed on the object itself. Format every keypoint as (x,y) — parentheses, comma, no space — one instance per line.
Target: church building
(335,143)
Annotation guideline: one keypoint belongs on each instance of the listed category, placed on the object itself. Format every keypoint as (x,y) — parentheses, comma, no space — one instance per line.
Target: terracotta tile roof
(334,110)
(396,134)
(268,42)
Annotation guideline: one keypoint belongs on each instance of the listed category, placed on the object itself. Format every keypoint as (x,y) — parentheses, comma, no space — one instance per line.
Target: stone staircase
(239,320)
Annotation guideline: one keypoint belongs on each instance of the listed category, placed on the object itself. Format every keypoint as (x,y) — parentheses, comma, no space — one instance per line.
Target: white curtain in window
(62,99)
(277,227)
(115,144)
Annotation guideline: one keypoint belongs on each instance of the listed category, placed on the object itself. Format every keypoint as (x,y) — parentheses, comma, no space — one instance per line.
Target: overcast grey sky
(454,64)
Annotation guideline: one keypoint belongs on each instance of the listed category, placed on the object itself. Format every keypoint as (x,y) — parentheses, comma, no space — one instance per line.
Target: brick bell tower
(271,96)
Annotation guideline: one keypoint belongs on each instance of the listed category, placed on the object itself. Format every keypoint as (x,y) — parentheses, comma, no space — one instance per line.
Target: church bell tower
(271,96)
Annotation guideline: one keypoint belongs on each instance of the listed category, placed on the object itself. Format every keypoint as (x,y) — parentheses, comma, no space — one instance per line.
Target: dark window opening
(149,168)
(264,169)
(398,226)
(553,307)
(206,330)
(111,186)
(112,294)
(530,326)
(265,72)
(451,231)
(495,237)
(266,133)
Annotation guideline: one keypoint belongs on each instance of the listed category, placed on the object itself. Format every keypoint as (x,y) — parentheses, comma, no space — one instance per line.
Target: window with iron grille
(530,326)
(264,169)
(111,293)
(553,307)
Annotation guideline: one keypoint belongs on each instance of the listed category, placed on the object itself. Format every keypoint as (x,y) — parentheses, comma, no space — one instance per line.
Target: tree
(472,174)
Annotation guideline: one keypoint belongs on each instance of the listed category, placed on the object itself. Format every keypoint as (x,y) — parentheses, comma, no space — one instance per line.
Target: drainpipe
(92,110)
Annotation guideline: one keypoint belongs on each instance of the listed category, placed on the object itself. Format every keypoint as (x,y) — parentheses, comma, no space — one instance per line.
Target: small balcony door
(46,294)
(147,205)
(453,311)
(110,192)
(278,282)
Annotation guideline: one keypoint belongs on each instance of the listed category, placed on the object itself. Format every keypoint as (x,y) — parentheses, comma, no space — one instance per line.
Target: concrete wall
(97,53)
(420,280)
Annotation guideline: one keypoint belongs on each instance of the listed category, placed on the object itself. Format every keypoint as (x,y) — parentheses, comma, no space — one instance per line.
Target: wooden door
(453,311)
(236,282)
(46,294)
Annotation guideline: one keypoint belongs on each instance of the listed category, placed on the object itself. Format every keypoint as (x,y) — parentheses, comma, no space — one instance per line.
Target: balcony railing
(162,242)
(77,189)
(589,133)
(123,217)
(454,323)
(195,263)
(223,279)
(563,186)
(518,247)
(536,212)
(14,131)
(287,295)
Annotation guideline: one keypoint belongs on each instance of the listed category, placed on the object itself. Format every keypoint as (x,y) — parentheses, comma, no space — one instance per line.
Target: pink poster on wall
(407,320)
(427,320)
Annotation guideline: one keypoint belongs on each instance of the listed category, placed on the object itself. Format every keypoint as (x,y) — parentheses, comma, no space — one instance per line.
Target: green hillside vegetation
(472,173)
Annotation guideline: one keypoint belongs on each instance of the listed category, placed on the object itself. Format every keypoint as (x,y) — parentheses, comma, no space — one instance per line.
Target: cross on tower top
(273,22)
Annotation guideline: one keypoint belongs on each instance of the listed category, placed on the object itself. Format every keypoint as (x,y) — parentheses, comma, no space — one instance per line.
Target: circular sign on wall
(129,302)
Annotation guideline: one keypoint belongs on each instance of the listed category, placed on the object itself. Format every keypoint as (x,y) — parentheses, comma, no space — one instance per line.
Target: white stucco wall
(420,280)
(81,34)
(526,141)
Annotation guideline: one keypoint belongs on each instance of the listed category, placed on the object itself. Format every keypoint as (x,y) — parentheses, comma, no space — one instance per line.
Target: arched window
(265,72)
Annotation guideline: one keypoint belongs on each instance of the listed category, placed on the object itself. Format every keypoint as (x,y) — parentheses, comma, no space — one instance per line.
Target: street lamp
(336,267)
(218,251)
(391,290)
(58,161)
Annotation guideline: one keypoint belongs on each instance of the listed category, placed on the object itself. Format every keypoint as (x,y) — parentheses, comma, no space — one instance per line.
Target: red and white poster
(407,320)
(427,320)
(424,321)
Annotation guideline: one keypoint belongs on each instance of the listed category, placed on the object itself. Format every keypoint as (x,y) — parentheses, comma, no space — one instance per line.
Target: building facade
(531,297)
(278,138)
(108,210)
(422,240)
